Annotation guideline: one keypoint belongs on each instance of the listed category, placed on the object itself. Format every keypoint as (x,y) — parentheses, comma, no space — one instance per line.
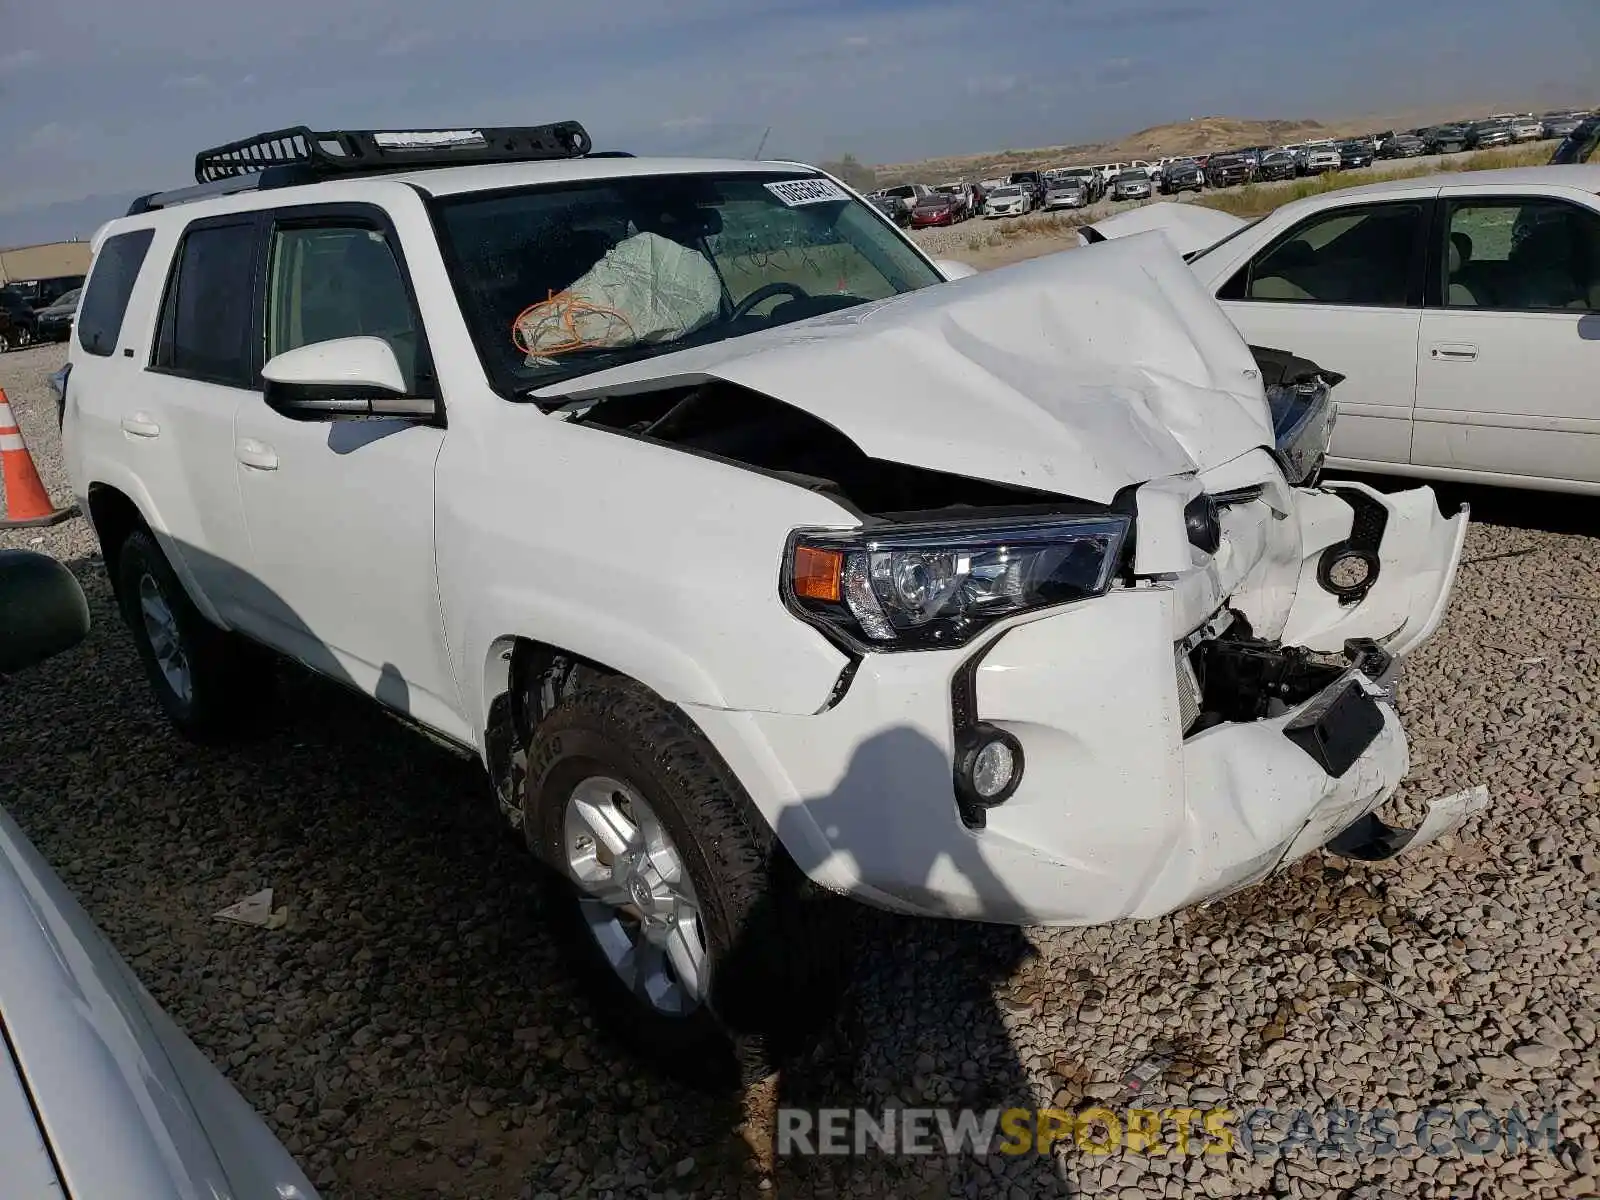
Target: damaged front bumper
(1158,769)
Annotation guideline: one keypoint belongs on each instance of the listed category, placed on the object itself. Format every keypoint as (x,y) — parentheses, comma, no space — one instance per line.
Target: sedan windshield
(558,281)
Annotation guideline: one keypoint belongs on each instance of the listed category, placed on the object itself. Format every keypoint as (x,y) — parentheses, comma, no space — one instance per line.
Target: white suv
(756,555)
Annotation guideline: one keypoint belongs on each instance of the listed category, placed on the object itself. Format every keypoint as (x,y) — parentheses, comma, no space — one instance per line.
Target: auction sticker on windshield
(806,191)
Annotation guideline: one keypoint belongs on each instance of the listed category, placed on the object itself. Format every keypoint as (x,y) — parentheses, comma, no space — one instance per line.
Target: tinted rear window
(207,306)
(110,284)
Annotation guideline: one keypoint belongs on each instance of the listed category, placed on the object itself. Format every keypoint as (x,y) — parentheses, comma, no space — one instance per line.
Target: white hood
(1078,373)
(1189,227)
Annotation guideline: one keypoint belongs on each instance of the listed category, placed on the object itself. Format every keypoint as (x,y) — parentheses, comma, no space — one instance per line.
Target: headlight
(917,587)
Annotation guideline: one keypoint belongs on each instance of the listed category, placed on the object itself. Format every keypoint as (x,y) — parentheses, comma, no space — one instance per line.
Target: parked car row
(39,310)
(918,205)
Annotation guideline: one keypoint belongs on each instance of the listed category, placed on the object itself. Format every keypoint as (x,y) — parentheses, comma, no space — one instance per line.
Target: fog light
(988,765)
(1347,572)
(992,769)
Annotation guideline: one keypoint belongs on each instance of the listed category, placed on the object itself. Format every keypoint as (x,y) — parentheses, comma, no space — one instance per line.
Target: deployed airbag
(645,289)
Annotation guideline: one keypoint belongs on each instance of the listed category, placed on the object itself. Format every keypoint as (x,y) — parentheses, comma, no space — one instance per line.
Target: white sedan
(1008,201)
(1463,310)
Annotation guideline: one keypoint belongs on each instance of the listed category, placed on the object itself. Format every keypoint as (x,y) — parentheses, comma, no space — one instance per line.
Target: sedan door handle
(140,425)
(256,454)
(1455,351)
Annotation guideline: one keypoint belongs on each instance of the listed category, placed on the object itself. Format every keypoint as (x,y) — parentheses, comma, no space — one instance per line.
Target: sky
(103,100)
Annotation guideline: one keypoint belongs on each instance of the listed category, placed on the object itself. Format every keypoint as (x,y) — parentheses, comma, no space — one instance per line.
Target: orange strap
(565,308)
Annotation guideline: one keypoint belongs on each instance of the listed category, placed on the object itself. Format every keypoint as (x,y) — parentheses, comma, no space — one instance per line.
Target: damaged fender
(1410,548)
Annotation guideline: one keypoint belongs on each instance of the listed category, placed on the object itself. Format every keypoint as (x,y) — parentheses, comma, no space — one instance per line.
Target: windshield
(1005,193)
(562,280)
(66,299)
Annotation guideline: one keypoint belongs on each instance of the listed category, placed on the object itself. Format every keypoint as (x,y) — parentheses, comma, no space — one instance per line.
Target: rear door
(158,365)
(1343,287)
(1510,345)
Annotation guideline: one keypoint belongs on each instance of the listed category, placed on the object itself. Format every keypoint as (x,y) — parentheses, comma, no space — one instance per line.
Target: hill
(1194,136)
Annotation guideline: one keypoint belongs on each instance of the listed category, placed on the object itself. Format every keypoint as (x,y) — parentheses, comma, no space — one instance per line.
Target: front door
(1343,288)
(1509,353)
(340,513)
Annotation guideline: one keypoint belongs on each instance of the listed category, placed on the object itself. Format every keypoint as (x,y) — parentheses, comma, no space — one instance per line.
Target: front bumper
(1119,812)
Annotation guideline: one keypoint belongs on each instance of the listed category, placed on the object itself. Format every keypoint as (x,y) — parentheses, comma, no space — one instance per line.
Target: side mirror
(953,270)
(42,609)
(339,380)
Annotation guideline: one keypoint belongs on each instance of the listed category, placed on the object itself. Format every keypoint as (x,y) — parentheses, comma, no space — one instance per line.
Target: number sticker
(794,192)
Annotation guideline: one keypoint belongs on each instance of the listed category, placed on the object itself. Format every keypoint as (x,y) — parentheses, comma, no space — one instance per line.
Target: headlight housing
(911,587)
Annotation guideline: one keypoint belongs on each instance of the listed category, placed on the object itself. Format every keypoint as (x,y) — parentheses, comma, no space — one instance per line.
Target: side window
(1361,256)
(337,281)
(206,311)
(1533,255)
(116,268)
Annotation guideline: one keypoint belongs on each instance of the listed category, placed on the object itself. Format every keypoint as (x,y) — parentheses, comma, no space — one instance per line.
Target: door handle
(1454,351)
(140,425)
(256,454)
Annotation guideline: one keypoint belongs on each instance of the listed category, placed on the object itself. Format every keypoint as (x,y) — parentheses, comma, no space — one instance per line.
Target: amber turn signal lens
(817,573)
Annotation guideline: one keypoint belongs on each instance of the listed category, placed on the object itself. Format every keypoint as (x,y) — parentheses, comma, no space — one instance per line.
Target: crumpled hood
(1078,374)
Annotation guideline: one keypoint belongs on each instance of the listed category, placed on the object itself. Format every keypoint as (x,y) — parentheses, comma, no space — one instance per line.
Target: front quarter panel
(648,560)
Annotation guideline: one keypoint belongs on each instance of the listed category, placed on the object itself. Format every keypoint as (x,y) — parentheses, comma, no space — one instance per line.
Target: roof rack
(361,151)
(297,155)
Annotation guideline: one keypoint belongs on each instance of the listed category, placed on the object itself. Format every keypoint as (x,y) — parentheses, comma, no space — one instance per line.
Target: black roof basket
(367,151)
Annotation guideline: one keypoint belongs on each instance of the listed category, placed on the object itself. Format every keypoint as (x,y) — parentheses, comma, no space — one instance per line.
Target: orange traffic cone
(27,504)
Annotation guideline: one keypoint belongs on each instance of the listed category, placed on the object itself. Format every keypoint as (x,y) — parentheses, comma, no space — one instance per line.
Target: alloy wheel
(636,896)
(161,627)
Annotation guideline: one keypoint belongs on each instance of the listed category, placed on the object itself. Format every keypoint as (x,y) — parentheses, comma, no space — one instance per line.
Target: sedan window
(1361,256)
(1522,254)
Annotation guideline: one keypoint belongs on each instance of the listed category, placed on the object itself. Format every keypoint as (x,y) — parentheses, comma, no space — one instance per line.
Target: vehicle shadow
(921,1026)
(412,1032)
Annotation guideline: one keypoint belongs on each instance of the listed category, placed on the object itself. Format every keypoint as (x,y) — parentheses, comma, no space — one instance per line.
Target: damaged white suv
(750,549)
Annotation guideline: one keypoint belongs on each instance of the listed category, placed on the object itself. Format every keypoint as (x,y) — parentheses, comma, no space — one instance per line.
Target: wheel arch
(517,671)
(115,513)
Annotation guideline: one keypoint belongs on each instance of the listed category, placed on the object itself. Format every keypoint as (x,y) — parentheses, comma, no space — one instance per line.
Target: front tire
(208,682)
(695,935)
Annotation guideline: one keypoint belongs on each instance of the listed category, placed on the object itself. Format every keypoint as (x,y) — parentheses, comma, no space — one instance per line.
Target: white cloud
(406,41)
(15,61)
(51,136)
(992,85)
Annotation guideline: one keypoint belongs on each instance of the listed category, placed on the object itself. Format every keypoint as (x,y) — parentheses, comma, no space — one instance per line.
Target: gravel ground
(410,1033)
